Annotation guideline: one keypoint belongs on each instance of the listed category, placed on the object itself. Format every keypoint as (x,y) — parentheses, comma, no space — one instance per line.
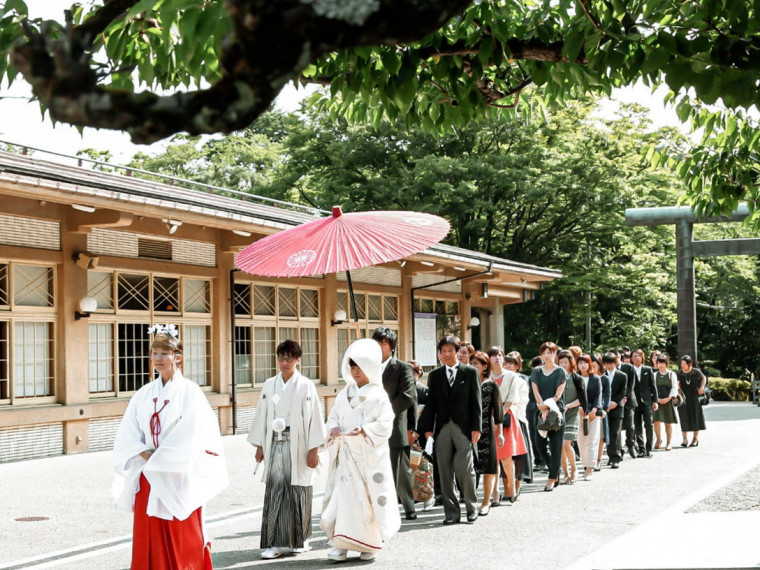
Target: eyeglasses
(289,360)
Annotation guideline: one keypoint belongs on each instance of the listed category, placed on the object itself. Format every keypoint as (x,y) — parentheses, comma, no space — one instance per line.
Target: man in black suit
(646,396)
(616,410)
(630,403)
(453,416)
(398,381)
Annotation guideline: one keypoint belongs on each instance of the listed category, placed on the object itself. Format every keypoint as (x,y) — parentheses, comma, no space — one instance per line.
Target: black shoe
(461,500)
(447,522)
(648,454)
(472,517)
(411,516)
(684,444)
(694,444)
(641,454)
(614,466)
(438,501)
(632,452)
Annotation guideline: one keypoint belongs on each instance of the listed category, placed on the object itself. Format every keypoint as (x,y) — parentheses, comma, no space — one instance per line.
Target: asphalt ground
(685,508)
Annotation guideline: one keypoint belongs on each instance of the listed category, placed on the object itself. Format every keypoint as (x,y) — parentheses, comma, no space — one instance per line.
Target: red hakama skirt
(514,444)
(159,544)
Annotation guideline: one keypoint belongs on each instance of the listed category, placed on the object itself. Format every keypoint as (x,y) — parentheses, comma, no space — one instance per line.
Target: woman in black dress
(486,464)
(692,383)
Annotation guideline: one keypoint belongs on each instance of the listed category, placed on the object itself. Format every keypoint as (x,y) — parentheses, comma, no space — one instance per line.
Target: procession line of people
(478,415)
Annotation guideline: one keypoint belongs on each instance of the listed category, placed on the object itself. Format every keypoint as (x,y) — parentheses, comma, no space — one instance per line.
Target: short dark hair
(289,348)
(609,357)
(614,351)
(517,356)
(569,356)
(625,348)
(495,351)
(384,333)
(536,361)
(548,345)
(482,357)
(663,358)
(449,339)
(687,359)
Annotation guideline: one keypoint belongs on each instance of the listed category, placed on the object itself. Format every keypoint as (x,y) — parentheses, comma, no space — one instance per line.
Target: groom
(452,416)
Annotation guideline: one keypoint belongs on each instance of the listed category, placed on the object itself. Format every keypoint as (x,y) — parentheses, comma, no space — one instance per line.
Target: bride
(360,510)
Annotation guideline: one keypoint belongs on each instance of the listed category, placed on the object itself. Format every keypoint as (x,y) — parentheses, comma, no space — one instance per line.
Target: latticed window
(166,294)
(133,345)
(5,297)
(101,363)
(197,296)
(447,317)
(100,286)
(32,359)
(266,316)
(32,286)
(196,358)
(374,310)
(5,392)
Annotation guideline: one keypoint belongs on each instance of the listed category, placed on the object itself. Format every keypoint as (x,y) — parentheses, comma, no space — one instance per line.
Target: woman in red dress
(511,454)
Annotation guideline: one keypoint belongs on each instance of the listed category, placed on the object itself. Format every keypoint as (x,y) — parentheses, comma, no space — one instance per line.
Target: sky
(22,123)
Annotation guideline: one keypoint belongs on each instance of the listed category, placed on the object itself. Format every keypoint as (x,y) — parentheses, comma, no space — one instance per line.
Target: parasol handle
(353,303)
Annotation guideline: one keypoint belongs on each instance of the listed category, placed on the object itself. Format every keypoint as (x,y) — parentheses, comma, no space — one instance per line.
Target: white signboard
(425,339)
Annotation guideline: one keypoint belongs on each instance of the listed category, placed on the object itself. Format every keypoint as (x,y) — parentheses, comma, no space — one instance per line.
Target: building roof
(185,196)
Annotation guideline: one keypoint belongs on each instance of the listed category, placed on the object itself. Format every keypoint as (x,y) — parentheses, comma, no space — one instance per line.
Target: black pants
(628,426)
(541,453)
(555,439)
(615,444)
(642,420)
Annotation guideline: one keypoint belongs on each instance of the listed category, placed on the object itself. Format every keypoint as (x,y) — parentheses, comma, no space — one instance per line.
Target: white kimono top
(361,507)
(297,402)
(187,468)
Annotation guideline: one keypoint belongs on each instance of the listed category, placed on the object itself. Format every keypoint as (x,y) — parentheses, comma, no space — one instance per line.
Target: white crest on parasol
(302,258)
(418,221)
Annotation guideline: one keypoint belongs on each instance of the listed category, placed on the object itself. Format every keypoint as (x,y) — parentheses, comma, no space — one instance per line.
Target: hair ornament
(167,329)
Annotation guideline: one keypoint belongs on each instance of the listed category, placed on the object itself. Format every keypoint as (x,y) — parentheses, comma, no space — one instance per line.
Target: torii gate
(686,250)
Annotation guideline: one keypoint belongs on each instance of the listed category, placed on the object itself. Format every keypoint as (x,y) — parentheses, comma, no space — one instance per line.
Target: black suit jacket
(461,402)
(398,381)
(617,393)
(593,394)
(630,389)
(647,387)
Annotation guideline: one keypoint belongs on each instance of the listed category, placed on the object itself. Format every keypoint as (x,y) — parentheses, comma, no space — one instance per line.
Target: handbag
(584,423)
(422,487)
(553,422)
(507,423)
(680,399)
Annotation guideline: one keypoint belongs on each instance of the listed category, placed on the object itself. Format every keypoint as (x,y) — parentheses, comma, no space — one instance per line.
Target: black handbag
(584,423)
(553,422)
(507,423)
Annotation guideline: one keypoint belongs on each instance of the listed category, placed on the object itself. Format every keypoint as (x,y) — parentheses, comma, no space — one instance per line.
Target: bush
(730,389)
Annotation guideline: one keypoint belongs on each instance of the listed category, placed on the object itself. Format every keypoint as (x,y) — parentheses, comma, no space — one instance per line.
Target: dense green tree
(431,63)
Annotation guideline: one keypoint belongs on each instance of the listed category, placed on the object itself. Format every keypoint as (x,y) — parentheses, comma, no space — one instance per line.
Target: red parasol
(342,242)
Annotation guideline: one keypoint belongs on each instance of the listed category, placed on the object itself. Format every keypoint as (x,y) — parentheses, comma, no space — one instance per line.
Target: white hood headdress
(366,353)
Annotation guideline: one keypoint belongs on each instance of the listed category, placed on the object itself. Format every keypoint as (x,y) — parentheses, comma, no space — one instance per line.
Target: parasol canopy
(342,242)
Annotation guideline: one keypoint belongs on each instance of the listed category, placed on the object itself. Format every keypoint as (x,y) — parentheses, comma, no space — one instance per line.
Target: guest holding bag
(548,384)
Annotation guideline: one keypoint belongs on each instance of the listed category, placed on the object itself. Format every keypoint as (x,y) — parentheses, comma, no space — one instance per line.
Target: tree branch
(58,68)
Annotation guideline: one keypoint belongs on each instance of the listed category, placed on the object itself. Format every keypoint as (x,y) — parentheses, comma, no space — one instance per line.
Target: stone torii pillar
(686,250)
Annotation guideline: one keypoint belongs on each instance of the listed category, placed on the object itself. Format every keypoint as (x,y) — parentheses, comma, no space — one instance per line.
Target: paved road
(634,517)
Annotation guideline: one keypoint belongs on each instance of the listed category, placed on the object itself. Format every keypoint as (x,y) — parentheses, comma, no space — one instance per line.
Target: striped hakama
(286,519)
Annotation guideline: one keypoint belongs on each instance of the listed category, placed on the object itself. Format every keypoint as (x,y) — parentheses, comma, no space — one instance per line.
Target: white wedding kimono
(360,510)
(188,467)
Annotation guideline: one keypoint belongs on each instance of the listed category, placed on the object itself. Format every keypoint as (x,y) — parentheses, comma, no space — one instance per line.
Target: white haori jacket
(297,401)
(514,389)
(361,508)
(188,468)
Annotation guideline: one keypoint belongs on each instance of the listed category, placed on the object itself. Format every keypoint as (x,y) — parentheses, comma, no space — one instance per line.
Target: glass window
(101,358)
(242,299)
(5,297)
(390,312)
(32,359)
(196,360)
(100,286)
(264,345)
(133,292)
(133,344)
(243,369)
(4,372)
(309,303)
(310,358)
(166,294)
(263,300)
(375,307)
(287,302)
(197,296)
(32,285)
